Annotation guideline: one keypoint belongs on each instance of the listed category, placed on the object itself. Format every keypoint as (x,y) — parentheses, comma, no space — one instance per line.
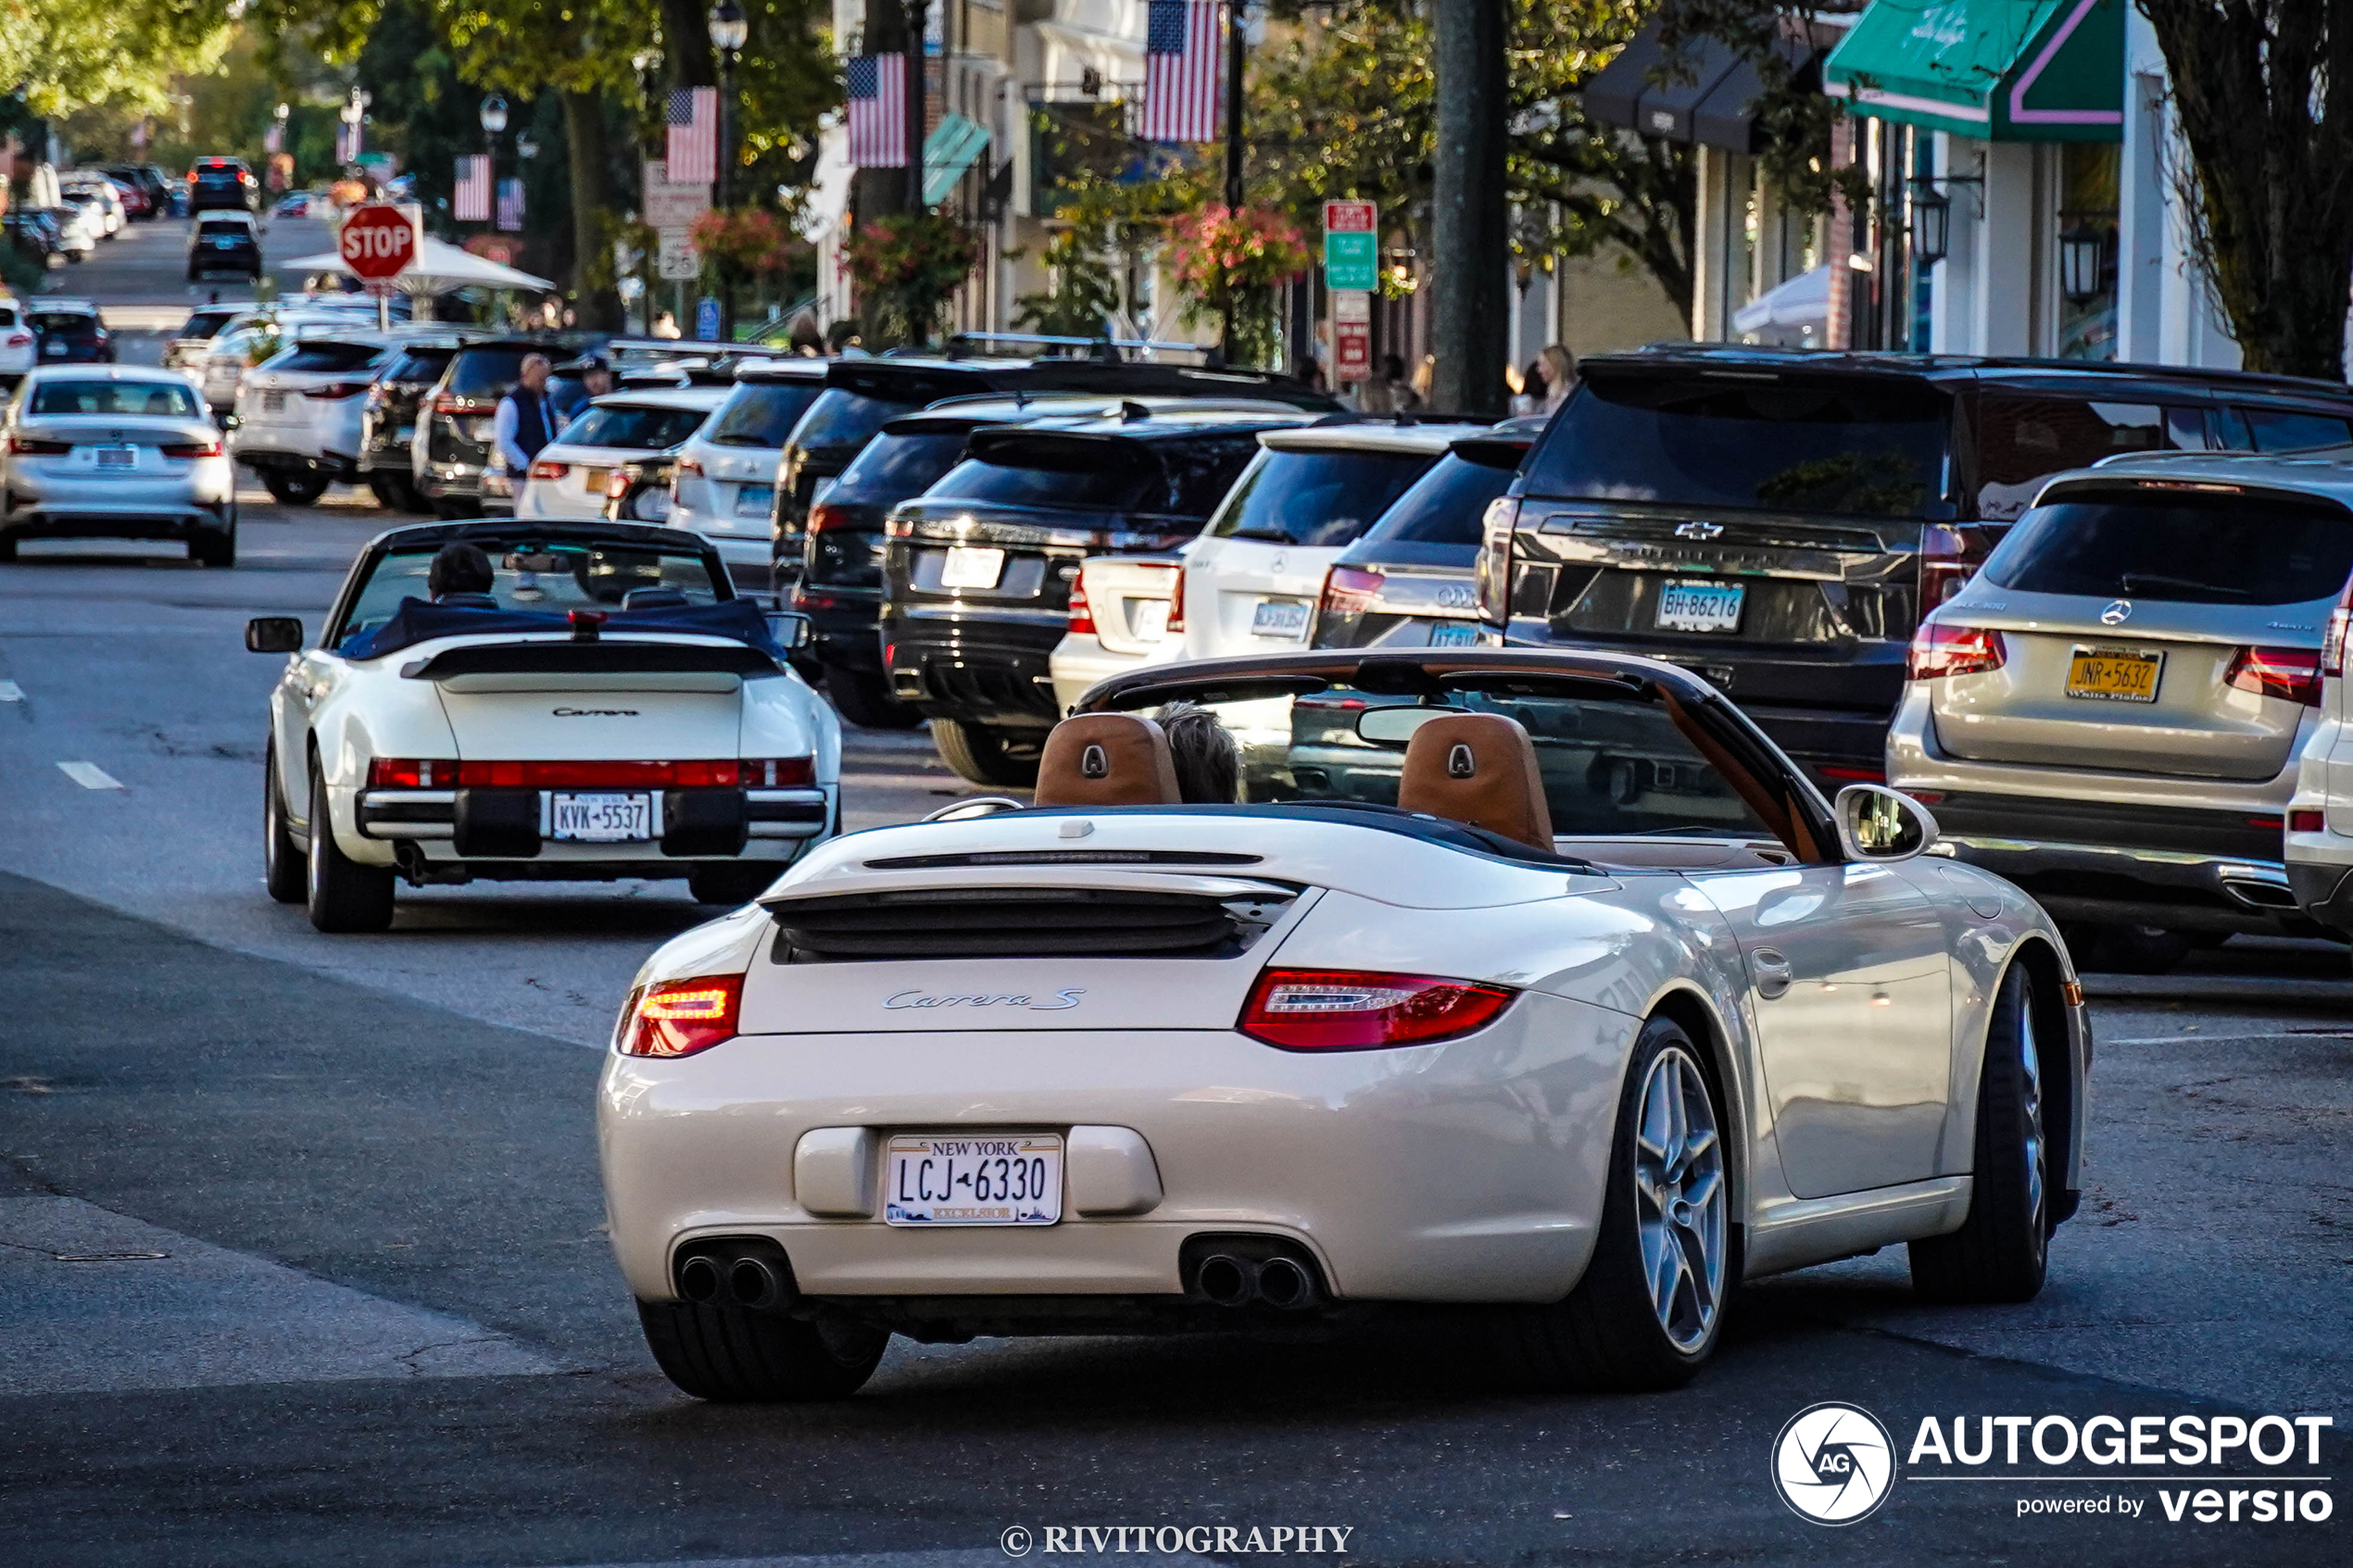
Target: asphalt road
(301,1256)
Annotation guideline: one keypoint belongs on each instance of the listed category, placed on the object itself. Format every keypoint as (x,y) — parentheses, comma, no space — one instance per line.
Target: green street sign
(1351,261)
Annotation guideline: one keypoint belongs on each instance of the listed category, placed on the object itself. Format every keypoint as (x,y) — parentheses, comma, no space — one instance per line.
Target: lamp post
(728,31)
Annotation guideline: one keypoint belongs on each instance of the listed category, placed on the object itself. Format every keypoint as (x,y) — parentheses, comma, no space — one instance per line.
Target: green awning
(1999,71)
(950,149)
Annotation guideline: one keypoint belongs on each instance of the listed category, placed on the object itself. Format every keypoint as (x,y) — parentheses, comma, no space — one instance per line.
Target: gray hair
(1209,765)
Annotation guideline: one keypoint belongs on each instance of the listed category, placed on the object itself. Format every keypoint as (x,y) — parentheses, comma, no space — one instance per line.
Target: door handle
(1773,974)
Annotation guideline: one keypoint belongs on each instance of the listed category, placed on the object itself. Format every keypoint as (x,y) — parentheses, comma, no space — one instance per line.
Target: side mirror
(790,629)
(1395,726)
(1878,823)
(274,633)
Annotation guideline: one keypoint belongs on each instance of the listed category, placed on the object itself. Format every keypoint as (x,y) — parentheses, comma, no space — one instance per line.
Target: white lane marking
(11,692)
(89,775)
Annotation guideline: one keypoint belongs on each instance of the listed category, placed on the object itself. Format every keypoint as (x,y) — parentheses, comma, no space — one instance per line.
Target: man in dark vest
(525,422)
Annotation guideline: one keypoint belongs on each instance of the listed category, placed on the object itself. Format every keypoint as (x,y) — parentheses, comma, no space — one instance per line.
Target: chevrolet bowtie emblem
(1698,529)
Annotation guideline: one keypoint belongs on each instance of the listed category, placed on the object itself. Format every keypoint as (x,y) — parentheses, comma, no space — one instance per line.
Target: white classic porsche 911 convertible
(603,706)
(1538,981)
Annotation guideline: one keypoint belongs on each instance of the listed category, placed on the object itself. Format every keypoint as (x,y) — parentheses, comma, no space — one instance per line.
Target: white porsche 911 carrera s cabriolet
(1542,983)
(604,706)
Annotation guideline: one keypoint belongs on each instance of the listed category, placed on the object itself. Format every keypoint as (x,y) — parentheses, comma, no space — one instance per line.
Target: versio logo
(1833,1464)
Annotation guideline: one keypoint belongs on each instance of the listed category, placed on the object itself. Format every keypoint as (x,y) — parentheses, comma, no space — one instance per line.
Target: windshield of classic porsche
(536,575)
(1612,761)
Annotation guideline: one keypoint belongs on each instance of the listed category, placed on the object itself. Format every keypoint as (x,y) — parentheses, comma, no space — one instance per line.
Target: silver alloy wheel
(2030,1070)
(1678,1199)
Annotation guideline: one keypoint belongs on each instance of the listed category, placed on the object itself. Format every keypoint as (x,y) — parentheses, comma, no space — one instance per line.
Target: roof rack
(1105,348)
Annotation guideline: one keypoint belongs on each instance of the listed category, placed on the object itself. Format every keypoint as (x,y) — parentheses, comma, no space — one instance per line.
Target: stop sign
(379,241)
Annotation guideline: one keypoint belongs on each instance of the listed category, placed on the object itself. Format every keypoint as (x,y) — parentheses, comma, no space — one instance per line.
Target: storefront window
(2085,252)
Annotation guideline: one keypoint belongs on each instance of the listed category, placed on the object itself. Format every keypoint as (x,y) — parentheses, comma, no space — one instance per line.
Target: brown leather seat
(1479,769)
(1107,760)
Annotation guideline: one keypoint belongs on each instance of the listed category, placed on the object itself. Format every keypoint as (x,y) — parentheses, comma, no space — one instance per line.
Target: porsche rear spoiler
(603,657)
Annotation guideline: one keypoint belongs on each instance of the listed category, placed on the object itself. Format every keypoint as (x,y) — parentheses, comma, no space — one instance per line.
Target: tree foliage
(2264,93)
(66,55)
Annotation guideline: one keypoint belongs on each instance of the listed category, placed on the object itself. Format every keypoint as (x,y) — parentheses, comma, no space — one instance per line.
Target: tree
(2264,93)
(64,55)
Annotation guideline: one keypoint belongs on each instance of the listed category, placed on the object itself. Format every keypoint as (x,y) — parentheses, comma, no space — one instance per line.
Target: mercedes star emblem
(2118,613)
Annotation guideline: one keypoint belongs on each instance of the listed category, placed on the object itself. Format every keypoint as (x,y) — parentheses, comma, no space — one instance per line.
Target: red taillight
(2333,645)
(1940,650)
(1349,590)
(680,1017)
(2307,822)
(899,528)
(1347,1009)
(191,450)
(446,404)
(1853,776)
(1176,602)
(411,772)
(2290,674)
(824,516)
(1082,614)
(548,467)
(1949,558)
(335,391)
(1493,572)
(16,340)
(780,772)
(617,484)
(26,447)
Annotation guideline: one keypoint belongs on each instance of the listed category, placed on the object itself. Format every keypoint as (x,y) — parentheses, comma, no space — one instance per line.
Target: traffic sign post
(1352,337)
(1352,246)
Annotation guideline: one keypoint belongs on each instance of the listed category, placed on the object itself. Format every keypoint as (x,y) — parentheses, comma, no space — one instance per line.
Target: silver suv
(2111,712)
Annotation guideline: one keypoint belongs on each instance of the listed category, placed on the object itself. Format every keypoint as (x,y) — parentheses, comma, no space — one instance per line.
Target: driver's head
(459,569)
(1209,766)
(533,372)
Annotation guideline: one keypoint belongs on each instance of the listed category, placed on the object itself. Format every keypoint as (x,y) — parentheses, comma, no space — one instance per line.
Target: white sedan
(115,452)
(568,477)
(1541,984)
(610,708)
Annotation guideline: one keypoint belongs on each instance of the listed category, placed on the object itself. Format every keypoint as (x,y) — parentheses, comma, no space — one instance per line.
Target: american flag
(511,206)
(471,201)
(1184,67)
(694,136)
(878,111)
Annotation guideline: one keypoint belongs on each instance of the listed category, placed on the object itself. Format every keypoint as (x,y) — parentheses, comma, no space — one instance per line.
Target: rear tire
(7,546)
(293,489)
(731,886)
(864,697)
(1665,1216)
(343,894)
(736,1356)
(388,493)
(982,754)
(209,549)
(282,872)
(2002,1249)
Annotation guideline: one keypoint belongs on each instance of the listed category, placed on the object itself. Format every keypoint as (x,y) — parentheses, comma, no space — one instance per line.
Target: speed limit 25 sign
(380,241)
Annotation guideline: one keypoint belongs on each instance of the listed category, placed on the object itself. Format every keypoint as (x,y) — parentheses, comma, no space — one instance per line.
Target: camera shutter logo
(1833,1464)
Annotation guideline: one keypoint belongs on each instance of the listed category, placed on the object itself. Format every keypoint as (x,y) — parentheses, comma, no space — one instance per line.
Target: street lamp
(728,31)
(493,115)
(2082,250)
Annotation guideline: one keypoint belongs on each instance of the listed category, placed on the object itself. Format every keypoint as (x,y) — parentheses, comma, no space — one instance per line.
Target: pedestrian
(1389,392)
(1424,380)
(1208,764)
(571,399)
(1560,376)
(1529,395)
(665,325)
(524,422)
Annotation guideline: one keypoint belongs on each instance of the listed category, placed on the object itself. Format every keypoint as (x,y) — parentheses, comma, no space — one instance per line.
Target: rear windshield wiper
(2155,578)
(1272,535)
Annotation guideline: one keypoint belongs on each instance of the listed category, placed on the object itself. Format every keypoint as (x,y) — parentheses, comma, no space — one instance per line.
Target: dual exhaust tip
(1230,1280)
(748,1279)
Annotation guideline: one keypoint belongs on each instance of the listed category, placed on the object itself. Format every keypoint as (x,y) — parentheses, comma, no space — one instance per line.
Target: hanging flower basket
(1222,259)
(906,267)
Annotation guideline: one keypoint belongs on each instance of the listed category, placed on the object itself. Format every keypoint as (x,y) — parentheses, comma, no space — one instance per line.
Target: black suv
(977,572)
(1779,522)
(862,395)
(221,183)
(388,420)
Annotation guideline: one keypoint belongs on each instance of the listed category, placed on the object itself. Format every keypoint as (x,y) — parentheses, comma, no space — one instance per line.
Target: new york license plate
(1700,607)
(2105,675)
(115,456)
(969,566)
(274,402)
(754,500)
(1279,618)
(957,1179)
(1453,634)
(600,819)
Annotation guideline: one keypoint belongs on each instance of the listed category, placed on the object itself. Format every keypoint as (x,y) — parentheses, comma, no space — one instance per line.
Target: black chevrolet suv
(1778,520)
(977,569)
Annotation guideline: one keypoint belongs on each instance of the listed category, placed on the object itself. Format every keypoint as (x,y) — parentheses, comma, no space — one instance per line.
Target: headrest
(1107,760)
(1479,769)
(653,599)
(467,601)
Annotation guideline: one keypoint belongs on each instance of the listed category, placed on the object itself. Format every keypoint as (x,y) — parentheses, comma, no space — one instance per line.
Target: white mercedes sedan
(1542,984)
(609,707)
(115,452)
